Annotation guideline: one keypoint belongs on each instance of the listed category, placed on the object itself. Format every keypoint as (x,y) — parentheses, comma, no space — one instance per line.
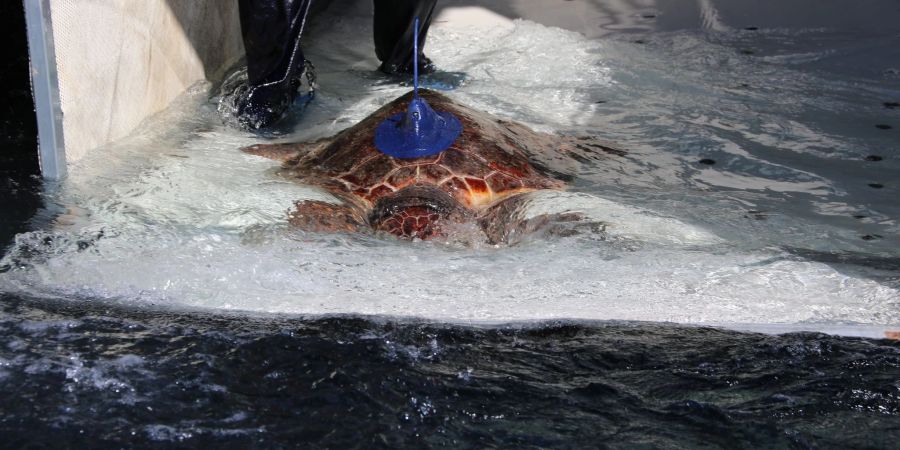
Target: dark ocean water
(75,374)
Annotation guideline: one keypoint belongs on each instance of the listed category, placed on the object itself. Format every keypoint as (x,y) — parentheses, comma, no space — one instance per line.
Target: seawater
(782,228)
(87,377)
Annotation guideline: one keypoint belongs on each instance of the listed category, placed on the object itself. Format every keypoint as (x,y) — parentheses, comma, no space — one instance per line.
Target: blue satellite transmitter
(420,131)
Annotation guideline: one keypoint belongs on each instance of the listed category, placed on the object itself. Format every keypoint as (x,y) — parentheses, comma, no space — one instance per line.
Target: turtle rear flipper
(505,222)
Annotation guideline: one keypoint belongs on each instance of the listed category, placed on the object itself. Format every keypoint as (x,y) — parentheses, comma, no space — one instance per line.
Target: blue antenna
(420,131)
(416,60)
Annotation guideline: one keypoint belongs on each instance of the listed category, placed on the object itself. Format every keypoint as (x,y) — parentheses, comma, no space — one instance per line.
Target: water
(158,296)
(119,377)
(176,216)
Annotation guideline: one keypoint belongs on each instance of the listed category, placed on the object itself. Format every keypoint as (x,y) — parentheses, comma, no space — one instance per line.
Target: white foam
(297,273)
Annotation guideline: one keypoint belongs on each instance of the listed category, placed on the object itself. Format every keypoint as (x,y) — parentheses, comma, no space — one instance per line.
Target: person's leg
(394,29)
(271,30)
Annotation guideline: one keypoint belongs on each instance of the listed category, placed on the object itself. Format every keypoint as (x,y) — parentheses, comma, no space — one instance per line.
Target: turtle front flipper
(285,152)
(319,216)
(506,223)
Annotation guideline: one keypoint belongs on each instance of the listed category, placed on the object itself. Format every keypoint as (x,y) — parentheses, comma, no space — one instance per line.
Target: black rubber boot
(271,30)
(394,29)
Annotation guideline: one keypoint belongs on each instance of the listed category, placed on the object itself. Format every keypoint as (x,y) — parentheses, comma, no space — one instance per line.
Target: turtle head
(416,211)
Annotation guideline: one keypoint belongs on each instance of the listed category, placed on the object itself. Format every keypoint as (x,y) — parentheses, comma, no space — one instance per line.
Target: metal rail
(45,89)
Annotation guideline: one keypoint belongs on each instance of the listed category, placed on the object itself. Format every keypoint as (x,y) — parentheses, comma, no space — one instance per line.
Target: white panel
(120,61)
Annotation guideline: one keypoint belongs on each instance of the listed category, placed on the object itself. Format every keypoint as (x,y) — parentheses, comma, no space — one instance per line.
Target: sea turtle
(479,179)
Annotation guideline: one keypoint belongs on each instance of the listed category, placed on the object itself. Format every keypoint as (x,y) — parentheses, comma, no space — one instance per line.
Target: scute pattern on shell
(488,162)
